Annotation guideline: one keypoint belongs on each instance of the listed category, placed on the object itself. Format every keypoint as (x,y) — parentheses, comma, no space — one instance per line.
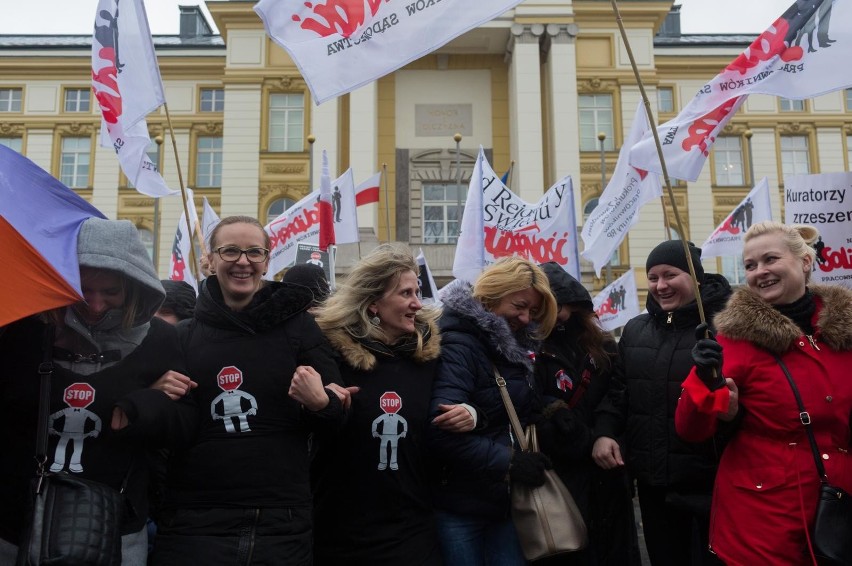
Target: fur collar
(747,317)
(360,357)
(463,313)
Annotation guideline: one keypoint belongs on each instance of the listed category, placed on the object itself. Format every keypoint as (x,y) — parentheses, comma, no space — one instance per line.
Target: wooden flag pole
(193,260)
(669,190)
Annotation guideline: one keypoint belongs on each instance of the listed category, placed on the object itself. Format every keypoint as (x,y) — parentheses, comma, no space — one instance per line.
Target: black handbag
(73,521)
(831,536)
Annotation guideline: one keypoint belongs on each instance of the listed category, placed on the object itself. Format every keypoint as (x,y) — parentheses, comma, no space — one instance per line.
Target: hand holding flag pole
(669,190)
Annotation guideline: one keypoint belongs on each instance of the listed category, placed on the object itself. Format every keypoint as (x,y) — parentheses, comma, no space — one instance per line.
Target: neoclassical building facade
(534,87)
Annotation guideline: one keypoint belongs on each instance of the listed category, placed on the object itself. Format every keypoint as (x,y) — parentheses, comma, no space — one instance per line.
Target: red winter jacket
(767,485)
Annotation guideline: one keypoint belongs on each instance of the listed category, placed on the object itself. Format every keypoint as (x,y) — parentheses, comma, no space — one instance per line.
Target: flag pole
(193,261)
(511,172)
(387,200)
(669,190)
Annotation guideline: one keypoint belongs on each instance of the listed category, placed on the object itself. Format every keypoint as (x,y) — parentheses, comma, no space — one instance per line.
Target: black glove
(565,423)
(707,355)
(528,468)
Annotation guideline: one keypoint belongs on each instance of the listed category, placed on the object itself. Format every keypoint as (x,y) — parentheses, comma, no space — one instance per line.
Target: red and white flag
(497,223)
(803,54)
(368,191)
(326,210)
(618,206)
(727,238)
(179,264)
(340,45)
(618,302)
(301,223)
(126,82)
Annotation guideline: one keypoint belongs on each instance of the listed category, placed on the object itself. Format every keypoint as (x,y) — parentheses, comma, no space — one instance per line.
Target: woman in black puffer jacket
(494,324)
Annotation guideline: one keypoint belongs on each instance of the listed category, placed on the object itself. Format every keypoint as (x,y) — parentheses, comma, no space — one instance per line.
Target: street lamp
(748,135)
(602,139)
(311,139)
(458,138)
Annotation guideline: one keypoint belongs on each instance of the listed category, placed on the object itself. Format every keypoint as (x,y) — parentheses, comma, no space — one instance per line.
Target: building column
(324,127)
(561,69)
(106,173)
(525,116)
(364,146)
(240,150)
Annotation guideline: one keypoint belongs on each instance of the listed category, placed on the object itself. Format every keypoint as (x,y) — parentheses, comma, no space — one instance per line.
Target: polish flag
(326,235)
(368,191)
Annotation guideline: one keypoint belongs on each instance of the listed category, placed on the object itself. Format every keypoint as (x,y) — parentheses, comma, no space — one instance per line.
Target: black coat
(656,356)
(474,465)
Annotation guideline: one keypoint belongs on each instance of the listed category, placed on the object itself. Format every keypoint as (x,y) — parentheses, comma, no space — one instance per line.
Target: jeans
(475,541)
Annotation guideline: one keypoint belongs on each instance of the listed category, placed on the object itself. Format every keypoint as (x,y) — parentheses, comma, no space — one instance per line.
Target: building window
(13,143)
(212,100)
(78,100)
(728,158)
(208,163)
(277,208)
(441,212)
(787,105)
(665,99)
(10,100)
(795,157)
(286,122)
(74,162)
(595,117)
(733,270)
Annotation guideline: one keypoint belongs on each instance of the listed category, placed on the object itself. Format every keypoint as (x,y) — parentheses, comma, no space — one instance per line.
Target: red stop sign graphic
(390,402)
(79,395)
(229,378)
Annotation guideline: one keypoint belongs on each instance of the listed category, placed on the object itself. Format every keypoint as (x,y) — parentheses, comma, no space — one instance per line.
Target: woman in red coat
(767,485)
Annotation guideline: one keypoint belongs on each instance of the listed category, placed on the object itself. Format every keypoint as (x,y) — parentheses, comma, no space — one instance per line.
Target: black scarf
(800,311)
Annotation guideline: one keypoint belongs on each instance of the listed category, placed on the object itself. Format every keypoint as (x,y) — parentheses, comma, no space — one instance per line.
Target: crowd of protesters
(291,423)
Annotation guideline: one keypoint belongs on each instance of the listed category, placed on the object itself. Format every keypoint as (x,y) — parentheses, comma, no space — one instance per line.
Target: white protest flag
(179,267)
(618,206)
(209,220)
(825,202)
(497,223)
(301,223)
(428,289)
(618,302)
(803,54)
(368,191)
(126,82)
(727,238)
(340,45)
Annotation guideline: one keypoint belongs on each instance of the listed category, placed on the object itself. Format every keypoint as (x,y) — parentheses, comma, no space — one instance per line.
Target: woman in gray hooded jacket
(108,351)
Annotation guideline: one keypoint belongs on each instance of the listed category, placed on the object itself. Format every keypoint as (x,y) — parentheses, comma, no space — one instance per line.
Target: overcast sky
(77,16)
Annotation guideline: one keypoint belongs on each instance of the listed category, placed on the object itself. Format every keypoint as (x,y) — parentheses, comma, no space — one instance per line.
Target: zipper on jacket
(813,342)
(669,318)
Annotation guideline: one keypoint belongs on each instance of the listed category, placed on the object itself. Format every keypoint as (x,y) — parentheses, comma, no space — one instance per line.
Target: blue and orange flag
(39,222)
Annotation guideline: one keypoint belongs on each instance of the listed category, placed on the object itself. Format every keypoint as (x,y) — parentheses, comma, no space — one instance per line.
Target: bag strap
(805,419)
(510,409)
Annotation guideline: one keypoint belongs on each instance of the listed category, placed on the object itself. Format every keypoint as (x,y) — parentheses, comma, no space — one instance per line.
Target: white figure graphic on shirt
(75,418)
(390,434)
(229,380)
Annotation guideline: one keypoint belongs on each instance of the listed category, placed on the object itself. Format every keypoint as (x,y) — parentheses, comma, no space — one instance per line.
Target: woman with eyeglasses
(239,493)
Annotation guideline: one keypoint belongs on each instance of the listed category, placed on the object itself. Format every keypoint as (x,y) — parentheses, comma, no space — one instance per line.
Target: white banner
(209,220)
(803,54)
(618,302)
(497,223)
(825,202)
(340,45)
(618,206)
(727,238)
(180,263)
(428,289)
(127,85)
(301,223)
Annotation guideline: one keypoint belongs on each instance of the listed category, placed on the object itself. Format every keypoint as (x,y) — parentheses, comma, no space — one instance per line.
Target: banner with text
(825,202)
(618,302)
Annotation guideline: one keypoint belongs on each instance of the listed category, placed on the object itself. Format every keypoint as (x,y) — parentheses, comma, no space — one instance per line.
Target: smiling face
(519,308)
(670,286)
(240,279)
(103,290)
(773,271)
(398,307)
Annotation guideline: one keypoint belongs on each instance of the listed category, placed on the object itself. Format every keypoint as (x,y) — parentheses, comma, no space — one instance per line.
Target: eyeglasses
(233,253)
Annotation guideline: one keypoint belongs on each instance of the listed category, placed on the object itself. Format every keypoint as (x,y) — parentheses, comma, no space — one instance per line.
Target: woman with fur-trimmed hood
(767,485)
(372,501)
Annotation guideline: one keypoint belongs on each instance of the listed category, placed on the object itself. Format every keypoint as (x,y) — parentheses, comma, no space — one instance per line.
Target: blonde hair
(374,275)
(510,275)
(797,237)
